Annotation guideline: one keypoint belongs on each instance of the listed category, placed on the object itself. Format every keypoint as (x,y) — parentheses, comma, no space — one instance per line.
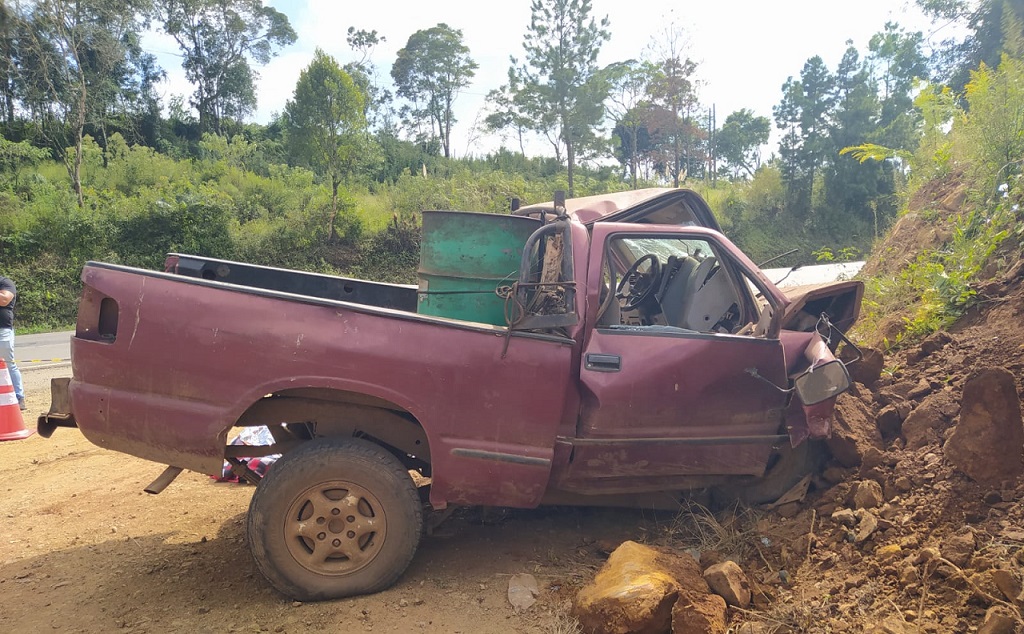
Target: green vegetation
(983,145)
(93,166)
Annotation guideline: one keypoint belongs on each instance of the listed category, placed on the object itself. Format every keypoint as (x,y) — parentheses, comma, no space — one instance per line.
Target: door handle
(603,362)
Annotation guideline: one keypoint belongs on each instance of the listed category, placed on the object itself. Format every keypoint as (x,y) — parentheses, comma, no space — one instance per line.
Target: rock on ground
(853,431)
(928,420)
(867,494)
(998,620)
(728,581)
(889,421)
(868,369)
(695,612)
(637,590)
(988,442)
(959,548)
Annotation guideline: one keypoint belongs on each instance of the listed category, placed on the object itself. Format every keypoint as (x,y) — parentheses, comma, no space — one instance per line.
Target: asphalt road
(45,350)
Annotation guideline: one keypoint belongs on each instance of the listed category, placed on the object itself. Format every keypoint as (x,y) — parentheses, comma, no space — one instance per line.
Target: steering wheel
(641,285)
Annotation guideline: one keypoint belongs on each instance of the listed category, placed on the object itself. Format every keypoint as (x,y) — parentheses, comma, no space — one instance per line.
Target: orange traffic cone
(12,426)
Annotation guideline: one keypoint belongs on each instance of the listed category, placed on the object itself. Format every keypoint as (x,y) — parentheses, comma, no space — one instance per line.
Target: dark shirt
(7,312)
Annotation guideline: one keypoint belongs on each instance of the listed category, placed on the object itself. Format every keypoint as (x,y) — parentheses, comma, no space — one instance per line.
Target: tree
(804,115)
(897,62)
(8,62)
(364,73)
(326,123)
(631,82)
(429,71)
(514,106)
(218,38)
(504,114)
(674,92)
(74,60)
(854,188)
(559,81)
(991,32)
(739,141)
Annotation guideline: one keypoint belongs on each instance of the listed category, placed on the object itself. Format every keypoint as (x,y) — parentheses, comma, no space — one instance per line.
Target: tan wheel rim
(335,528)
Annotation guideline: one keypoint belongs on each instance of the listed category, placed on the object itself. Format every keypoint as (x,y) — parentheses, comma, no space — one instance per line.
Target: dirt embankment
(918,523)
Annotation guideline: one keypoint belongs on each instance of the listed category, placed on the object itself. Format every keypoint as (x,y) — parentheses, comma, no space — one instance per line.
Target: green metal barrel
(464,257)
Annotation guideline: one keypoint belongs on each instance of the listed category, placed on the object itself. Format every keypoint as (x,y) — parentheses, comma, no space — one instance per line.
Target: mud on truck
(611,350)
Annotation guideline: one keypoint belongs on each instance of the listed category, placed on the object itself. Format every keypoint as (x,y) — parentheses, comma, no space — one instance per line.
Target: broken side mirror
(822,383)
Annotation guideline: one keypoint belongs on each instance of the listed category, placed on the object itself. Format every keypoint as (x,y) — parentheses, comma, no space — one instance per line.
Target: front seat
(675,281)
(708,298)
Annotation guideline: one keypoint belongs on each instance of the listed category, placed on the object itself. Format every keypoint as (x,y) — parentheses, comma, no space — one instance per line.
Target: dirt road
(83,549)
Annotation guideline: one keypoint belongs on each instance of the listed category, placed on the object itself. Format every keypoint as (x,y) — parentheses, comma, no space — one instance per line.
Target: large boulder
(853,431)
(988,442)
(636,589)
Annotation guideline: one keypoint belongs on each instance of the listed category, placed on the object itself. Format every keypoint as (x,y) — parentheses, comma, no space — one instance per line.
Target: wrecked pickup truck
(613,350)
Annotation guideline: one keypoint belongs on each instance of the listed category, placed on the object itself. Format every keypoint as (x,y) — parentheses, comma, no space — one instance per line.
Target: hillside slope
(897,537)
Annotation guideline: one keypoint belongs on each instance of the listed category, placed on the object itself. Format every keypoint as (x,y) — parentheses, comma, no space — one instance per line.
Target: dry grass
(562,623)
(732,532)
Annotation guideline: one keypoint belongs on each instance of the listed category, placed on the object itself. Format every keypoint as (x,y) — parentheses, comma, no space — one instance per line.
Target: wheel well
(300,414)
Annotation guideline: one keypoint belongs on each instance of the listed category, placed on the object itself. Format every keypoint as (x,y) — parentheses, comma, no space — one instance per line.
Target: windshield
(666,247)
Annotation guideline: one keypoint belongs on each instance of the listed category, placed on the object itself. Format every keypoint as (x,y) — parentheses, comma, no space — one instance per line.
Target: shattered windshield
(663,248)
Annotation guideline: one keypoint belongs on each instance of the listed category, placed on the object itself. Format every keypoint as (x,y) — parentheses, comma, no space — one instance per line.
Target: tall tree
(74,59)
(631,82)
(739,140)
(897,62)
(326,124)
(218,39)
(514,106)
(8,61)
(988,35)
(364,73)
(804,114)
(559,77)
(430,71)
(855,189)
(504,115)
(673,90)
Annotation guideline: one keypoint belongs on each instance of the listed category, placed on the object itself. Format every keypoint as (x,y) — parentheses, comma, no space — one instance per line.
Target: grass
(38,328)
(936,288)
(373,210)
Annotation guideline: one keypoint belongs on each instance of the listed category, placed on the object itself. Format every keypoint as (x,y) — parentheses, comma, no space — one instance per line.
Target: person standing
(8,298)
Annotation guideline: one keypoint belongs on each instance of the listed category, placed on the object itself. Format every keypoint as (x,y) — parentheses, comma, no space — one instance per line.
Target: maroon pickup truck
(640,355)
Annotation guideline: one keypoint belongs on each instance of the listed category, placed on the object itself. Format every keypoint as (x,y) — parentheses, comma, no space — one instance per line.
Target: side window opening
(681,283)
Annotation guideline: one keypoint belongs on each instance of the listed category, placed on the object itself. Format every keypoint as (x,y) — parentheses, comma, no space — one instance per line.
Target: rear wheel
(334,518)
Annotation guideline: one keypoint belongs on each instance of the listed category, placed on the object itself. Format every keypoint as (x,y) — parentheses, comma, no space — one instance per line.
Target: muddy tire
(334,518)
(788,468)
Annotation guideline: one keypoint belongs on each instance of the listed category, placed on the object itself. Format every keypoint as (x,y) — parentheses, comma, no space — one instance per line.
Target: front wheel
(334,518)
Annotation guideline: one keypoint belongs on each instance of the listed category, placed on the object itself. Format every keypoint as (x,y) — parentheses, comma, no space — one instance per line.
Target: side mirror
(822,383)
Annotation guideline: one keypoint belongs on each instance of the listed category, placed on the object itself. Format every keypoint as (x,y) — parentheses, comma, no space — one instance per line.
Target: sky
(745,49)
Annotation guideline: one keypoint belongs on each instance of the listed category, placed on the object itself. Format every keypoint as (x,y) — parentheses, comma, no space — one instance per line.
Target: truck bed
(166,364)
(393,296)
